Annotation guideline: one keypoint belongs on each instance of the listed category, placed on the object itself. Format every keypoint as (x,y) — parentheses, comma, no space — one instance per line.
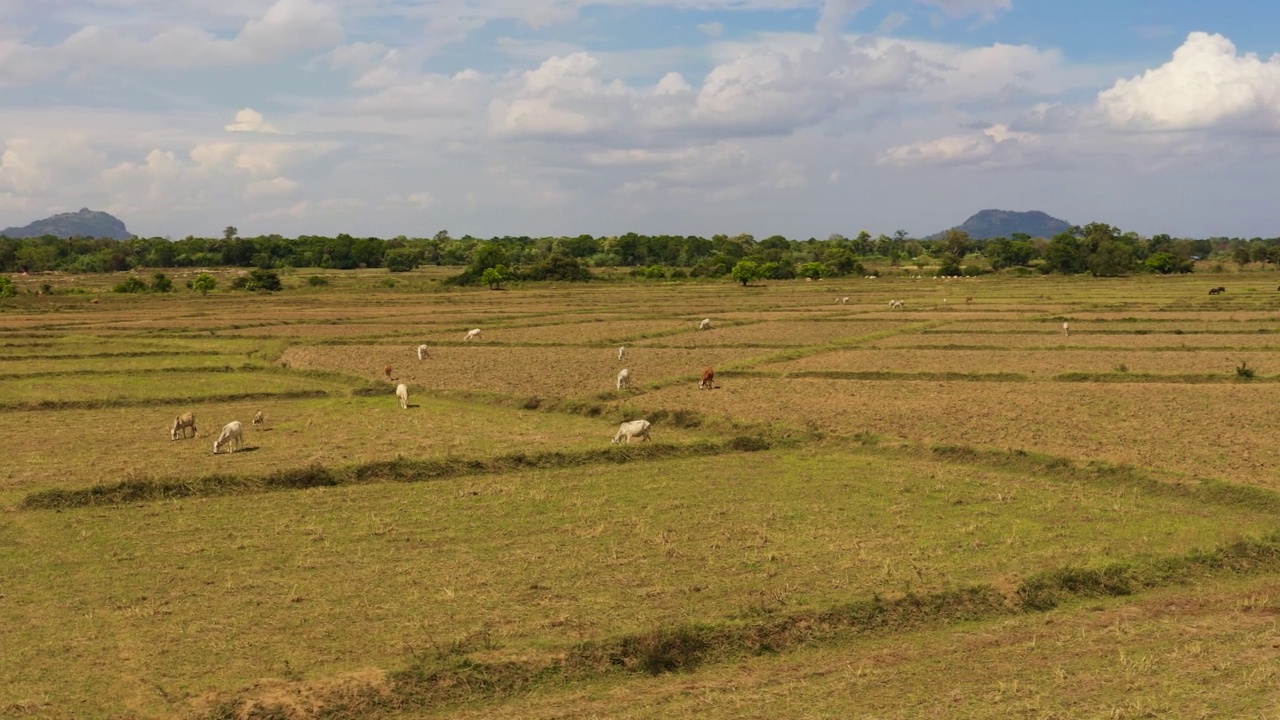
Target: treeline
(1097,249)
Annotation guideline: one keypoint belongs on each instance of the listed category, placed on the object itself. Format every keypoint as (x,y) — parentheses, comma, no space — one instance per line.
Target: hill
(1004,223)
(84,223)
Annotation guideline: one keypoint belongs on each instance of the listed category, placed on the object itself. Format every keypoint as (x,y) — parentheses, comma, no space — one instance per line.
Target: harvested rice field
(951,510)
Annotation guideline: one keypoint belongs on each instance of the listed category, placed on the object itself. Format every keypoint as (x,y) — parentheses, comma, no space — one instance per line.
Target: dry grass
(1035,364)
(152,608)
(537,371)
(1218,431)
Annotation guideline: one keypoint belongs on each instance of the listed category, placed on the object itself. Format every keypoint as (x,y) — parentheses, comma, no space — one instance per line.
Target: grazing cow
(387,370)
(968,300)
(422,351)
(257,418)
(471,335)
(634,428)
(402,392)
(705,324)
(844,301)
(624,378)
(895,304)
(1217,291)
(233,434)
(622,352)
(708,379)
(1066,328)
(182,422)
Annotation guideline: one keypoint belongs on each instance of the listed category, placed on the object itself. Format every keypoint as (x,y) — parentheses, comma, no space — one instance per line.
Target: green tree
(1113,258)
(401,259)
(7,290)
(813,270)
(1167,263)
(745,271)
(161,283)
(204,282)
(229,232)
(1064,255)
(494,276)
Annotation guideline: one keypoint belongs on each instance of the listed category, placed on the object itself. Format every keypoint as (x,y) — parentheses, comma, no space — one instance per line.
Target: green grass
(198,595)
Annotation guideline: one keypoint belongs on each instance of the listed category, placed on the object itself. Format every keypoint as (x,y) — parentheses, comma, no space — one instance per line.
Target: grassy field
(950,510)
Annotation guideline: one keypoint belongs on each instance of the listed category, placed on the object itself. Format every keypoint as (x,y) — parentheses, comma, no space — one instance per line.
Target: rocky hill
(1004,223)
(85,223)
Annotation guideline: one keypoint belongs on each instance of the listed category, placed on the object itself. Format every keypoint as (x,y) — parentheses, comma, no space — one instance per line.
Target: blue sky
(536,117)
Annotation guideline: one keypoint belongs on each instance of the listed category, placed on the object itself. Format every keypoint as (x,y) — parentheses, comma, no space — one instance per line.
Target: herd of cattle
(232,435)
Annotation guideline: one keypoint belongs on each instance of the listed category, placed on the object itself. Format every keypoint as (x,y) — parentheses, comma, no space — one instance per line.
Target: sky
(803,118)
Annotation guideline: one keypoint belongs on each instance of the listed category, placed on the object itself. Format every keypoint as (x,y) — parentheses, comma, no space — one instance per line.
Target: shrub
(258,280)
(653,272)
(161,283)
(1244,371)
(7,289)
(317,281)
(204,282)
(132,284)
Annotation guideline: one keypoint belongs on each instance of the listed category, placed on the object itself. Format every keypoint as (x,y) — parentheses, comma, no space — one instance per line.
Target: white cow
(705,324)
(402,392)
(182,422)
(1066,328)
(624,378)
(622,352)
(895,304)
(472,334)
(232,433)
(844,301)
(257,418)
(634,428)
(422,351)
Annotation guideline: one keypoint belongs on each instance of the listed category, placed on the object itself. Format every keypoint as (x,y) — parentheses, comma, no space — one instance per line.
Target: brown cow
(708,379)
(387,370)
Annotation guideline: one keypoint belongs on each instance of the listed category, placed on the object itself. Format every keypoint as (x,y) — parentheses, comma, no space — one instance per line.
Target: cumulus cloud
(995,145)
(250,120)
(1206,84)
(283,29)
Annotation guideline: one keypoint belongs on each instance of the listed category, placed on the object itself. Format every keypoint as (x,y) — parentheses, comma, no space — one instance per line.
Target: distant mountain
(1004,223)
(85,223)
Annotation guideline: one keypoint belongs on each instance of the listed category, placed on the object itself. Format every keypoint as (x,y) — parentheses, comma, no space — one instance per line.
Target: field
(949,510)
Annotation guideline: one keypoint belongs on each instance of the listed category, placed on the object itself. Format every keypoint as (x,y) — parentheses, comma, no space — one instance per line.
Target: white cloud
(711,29)
(1205,84)
(273,187)
(996,145)
(40,166)
(250,120)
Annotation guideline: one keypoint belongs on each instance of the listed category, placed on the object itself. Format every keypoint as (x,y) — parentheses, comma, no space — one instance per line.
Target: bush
(132,284)
(558,267)
(1244,371)
(317,281)
(204,282)
(258,280)
(7,289)
(653,272)
(161,284)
